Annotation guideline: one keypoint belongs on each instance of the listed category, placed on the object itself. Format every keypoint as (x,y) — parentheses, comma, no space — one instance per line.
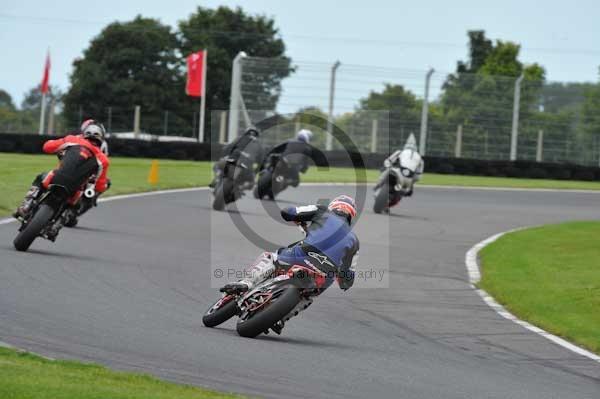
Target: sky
(399,35)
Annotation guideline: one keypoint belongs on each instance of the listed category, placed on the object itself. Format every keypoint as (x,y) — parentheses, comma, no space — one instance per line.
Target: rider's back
(333,236)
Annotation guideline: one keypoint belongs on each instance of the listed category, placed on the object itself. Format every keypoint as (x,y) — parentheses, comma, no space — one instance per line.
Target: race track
(128,288)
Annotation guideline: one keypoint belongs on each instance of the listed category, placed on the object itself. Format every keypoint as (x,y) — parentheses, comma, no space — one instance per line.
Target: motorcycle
(229,185)
(46,218)
(394,183)
(271,303)
(275,175)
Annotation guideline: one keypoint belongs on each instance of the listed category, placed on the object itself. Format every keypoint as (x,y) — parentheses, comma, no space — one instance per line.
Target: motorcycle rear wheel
(273,312)
(32,230)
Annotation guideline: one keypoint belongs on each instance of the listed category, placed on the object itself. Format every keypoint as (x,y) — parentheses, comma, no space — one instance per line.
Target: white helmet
(95,133)
(304,135)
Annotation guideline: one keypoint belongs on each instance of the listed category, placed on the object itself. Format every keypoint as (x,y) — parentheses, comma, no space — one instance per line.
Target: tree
(33,98)
(224,32)
(6,101)
(591,109)
(128,64)
(479,95)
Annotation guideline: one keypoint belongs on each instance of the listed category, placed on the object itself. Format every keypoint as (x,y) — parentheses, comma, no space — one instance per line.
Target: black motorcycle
(270,303)
(389,191)
(231,182)
(276,174)
(46,218)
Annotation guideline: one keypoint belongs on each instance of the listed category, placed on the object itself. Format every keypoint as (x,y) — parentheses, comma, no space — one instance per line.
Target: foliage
(127,64)
(224,32)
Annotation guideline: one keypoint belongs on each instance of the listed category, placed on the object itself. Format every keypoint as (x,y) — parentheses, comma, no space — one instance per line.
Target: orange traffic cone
(153,176)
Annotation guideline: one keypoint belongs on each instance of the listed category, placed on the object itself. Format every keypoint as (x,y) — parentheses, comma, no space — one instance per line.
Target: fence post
(329,138)
(540,146)
(109,120)
(136,121)
(223,127)
(235,96)
(514,136)
(425,113)
(50,128)
(166,124)
(458,146)
(374,135)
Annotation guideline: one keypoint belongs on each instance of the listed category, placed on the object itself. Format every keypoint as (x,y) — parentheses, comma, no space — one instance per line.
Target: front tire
(220,194)
(32,230)
(273,312)
(382,199)
(217,315)
(263,185)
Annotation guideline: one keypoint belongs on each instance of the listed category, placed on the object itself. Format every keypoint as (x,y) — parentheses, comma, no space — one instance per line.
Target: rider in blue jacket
(330,246)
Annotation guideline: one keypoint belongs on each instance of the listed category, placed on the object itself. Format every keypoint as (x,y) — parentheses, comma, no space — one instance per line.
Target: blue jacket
(330,241)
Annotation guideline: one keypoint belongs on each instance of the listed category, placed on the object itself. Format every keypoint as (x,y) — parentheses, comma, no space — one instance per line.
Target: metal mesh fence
(470,115)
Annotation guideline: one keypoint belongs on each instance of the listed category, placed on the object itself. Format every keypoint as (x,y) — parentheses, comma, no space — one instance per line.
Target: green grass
(549,276)
(26,376)
(130,175)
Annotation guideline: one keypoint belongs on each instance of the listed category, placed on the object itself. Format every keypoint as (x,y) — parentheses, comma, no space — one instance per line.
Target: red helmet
(343,205)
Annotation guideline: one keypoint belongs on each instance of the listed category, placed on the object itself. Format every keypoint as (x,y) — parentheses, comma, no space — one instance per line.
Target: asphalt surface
(128,288)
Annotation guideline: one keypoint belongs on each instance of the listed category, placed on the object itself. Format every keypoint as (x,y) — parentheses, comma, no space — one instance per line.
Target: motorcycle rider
(410,163)
(297,152)
(86,123)
(330,246)
(245,149)
(80,157)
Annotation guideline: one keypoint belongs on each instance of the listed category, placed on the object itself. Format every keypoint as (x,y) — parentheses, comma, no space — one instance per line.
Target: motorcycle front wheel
(382,199)
(220,312)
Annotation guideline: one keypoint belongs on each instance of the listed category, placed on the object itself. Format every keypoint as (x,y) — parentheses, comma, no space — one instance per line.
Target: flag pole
(42,114)
(203,98)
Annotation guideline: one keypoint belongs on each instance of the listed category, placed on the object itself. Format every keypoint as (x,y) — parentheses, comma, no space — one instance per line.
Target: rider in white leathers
(410,162)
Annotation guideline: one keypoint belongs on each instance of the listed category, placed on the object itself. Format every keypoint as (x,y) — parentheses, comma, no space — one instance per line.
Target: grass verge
(130,175)
(23,375)
(549,276)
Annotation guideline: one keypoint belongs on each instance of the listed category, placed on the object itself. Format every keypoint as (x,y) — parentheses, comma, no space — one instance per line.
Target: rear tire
(221,315)
(382,200)
(271,314)
(72,220)
(26,237)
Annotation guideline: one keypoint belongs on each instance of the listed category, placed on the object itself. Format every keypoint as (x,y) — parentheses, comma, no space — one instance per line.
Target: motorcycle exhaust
(89,193)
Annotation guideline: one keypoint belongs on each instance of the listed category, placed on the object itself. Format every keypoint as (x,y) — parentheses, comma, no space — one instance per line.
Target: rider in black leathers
(245,149)
(297,152)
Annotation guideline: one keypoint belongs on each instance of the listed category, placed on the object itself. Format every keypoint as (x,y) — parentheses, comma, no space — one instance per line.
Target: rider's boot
(25,207)
(262,269)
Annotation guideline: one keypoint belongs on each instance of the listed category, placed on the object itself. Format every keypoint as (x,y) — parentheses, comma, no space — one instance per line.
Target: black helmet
(252,131)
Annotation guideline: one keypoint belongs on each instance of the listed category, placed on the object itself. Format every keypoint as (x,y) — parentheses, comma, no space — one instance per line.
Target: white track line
(474,278)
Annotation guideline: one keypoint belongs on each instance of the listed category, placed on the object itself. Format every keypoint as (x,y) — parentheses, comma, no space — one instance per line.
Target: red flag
(195,76)
(46,77)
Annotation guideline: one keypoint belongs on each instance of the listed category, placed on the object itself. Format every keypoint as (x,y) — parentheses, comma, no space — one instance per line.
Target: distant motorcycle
(46,218)
(231,182)
(395,182)
(276,174)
